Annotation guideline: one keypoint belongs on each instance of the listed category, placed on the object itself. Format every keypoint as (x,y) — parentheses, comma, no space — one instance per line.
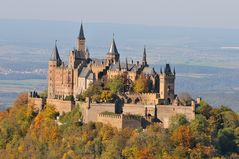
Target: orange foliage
(182,136)
(3,115)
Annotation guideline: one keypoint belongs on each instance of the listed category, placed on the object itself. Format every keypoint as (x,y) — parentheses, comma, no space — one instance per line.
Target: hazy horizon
(183,13)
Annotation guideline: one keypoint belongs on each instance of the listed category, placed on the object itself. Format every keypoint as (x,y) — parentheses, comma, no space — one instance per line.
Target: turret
(126,64)
(87,53)
(167,84)
(144,60)
(53,63)
(80,43)
(113,55)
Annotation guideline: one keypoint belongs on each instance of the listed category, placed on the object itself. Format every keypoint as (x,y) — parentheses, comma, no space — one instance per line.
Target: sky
(189,13)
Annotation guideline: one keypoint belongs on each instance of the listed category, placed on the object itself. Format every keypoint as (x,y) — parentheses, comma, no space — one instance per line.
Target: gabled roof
(81,34)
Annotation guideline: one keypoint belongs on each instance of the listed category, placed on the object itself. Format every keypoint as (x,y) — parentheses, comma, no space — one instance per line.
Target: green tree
(226,141)
(116,84)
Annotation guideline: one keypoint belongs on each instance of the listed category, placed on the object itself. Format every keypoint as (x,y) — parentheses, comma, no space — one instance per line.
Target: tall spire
(55,55)
(81,34)
(144,60)
(126,64)
(113,48)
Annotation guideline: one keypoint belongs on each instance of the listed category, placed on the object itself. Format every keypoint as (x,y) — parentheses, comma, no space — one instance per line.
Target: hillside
(23,134)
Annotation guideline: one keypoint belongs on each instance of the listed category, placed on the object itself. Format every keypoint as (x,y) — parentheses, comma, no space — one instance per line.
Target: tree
(226,141)
(204,108)
(185,98)
(106,96)
(177,121)
(116,84)
(141,85)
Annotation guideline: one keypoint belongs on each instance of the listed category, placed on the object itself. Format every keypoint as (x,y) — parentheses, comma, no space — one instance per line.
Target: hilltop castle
(159,104)
(74,78)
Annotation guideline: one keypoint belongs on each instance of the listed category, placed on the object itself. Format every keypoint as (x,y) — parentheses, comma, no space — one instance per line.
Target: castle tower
(144,60)
(80,43)
(167,84)
(53,63)
(113,55)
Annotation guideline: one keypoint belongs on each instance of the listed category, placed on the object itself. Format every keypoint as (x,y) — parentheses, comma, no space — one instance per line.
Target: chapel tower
(80,42)
(53,63)
(167,84)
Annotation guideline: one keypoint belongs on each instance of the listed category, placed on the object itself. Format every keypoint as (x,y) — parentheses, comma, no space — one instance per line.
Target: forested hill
(23,134)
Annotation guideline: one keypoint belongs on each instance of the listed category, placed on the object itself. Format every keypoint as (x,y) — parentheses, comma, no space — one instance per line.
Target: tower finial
(126,64)
(144,60)
(81,34)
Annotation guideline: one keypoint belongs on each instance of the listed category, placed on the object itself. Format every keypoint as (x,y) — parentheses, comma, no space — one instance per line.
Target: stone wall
(165,112)
(37,103)
(145,98)
(113,120)
(137,109)
(131,122)
(91,113)
(120,121)
(61,105)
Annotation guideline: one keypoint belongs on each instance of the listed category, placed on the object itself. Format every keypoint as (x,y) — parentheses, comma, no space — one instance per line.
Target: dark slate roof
(167,69)
(149,71)
(55,55)
(81,34)
(85,72)
(91,76)
(113,48)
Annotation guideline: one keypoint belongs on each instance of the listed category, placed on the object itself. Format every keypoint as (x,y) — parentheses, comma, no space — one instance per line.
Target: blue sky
(190,13)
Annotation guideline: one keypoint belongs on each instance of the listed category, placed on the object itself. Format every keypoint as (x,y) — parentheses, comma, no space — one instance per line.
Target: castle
(72,79)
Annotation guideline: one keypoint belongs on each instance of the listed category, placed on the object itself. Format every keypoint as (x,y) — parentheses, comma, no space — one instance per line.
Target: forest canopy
(214,133)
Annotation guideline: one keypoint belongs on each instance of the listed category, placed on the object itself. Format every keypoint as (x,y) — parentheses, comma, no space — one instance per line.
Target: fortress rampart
(120,120)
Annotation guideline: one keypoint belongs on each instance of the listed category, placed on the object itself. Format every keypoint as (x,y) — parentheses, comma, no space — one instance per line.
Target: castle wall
(165,112)
(95,109)
(131,122)
(137,109)
(145,98)
(113,120)
(120,121)
(37,103)
(61,105)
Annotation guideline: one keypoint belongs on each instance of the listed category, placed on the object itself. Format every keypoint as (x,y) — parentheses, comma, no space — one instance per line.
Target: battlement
(119,116)
(120,120)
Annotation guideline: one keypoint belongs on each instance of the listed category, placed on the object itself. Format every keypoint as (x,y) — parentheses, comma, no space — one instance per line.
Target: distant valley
(206,60)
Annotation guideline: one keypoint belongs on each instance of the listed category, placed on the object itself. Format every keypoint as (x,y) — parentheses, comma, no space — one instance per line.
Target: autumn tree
(141,85)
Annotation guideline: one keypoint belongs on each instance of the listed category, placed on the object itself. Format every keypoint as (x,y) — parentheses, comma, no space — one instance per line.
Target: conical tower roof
(113,48)
(81,34)
(55,55)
